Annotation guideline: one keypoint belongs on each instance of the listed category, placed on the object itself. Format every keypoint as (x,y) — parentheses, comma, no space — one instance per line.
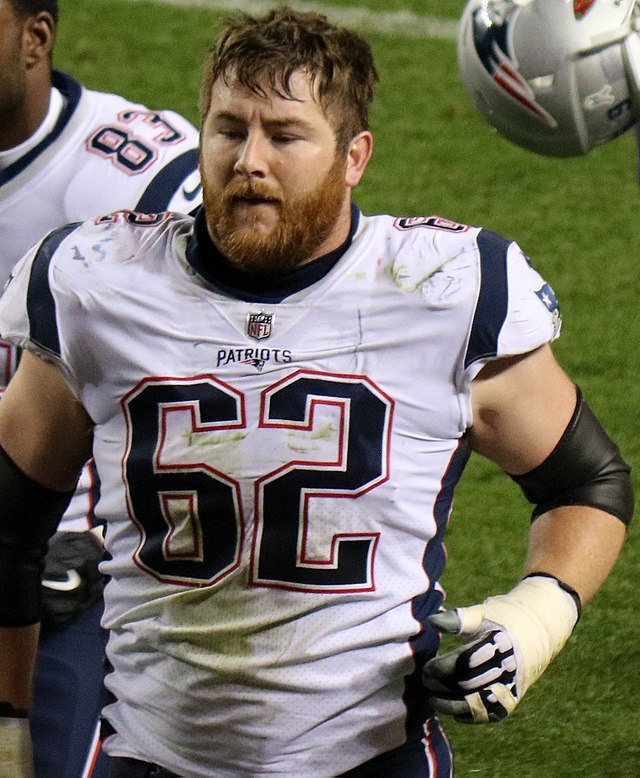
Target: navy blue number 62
(190,513)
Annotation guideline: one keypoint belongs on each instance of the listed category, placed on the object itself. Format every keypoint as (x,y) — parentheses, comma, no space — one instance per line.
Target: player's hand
(510,639)
(15,748)
(71,581)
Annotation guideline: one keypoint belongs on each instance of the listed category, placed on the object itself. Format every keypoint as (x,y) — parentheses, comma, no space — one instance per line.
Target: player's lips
(255,200)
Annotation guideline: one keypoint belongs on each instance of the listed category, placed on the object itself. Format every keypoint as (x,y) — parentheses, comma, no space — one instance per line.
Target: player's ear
(359,154)
(38,36)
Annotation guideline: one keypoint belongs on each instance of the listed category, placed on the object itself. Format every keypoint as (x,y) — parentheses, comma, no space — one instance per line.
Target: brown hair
(269,49)
(32,7)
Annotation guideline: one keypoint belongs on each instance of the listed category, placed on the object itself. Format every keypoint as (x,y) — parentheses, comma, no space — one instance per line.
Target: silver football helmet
(556,77)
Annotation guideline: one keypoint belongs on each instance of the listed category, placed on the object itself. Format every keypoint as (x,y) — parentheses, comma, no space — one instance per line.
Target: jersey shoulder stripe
(41,307)
(158,194)
(492,305)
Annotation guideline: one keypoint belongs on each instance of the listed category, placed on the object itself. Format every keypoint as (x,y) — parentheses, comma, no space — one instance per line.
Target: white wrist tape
(15,748)
(539,617)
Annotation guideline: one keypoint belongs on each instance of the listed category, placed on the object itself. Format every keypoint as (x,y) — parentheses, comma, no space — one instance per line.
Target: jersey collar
(71,92)
(209,263)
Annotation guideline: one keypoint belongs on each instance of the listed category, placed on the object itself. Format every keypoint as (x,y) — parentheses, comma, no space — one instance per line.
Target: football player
(555,77)
(67,153)
(281,395)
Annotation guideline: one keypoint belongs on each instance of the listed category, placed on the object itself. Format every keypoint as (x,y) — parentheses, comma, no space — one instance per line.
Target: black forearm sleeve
(585,468)
(29,515)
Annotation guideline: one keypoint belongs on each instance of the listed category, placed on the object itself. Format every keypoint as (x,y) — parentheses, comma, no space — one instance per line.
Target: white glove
(15,748)
(512,638)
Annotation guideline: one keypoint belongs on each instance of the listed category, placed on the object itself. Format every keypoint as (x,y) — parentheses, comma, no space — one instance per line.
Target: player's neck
(209,262)
(20,125)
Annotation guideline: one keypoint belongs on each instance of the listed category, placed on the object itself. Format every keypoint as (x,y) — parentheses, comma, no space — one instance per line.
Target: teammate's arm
(46,436)
(523,408)
(43,428)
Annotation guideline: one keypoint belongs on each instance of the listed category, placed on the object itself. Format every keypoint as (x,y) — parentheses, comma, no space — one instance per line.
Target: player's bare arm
(522,407)
(532,421)
(46,437)
(43,428)
(510,398)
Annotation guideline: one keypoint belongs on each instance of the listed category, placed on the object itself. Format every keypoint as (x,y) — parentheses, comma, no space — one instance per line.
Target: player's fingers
(491,704)
(439,668)
(473,665)
(482,707)
(479,713)
(458,708)
(446,622)
(490,660)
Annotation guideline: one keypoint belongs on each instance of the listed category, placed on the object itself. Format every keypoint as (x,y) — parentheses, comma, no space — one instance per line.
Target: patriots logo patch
(491,42)
(257,363)
(548,298)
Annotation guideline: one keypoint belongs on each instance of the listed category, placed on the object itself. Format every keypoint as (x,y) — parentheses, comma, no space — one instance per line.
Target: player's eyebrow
(274,123)
(291,124)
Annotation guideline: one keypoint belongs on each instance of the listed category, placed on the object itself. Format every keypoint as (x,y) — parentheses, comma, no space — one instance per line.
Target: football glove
(15,748)
(71,581)
(510,640)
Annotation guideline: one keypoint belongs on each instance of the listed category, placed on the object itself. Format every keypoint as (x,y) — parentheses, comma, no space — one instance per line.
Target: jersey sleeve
(516,309)
(145,161)
(14,324)
(533,314)
(175,186)
(28,310)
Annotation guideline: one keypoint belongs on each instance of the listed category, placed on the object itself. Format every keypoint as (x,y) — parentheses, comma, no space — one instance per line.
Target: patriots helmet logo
(255,362)
(491,36)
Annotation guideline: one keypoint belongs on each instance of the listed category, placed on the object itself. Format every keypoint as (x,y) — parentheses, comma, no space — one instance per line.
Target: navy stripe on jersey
(94,494)
(157,195)
(41,307)
(434,558)
(426,756)
(424,644)
(491,308)
(438,749)
(71,92)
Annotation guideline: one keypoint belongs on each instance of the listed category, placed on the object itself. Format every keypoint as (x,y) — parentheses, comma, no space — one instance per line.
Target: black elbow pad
(29,515)
(585,468)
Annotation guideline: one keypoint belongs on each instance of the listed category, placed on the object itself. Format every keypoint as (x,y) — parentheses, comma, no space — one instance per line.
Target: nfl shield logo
(259,325)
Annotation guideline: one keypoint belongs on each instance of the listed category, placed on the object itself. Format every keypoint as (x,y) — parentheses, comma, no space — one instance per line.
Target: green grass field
(579,220)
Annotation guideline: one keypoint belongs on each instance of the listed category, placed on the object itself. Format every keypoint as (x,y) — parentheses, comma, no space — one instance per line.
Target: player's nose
(253,156)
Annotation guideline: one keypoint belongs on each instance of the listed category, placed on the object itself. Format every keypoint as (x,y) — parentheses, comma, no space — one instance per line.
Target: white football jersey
(103,153)
(277,477)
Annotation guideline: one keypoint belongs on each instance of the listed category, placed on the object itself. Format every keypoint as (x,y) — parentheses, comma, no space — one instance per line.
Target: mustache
(243,190)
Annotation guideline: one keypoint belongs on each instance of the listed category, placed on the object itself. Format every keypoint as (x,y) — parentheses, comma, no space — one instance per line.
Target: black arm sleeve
(585,468)
(29,515)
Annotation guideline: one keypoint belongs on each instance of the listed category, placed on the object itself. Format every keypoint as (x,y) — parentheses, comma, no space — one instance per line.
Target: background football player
(67,153)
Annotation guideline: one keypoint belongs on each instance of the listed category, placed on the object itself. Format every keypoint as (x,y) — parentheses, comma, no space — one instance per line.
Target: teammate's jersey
(102,154)
(277,476)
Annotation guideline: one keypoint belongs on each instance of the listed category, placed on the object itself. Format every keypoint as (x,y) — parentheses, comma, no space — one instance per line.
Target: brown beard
(305,223)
